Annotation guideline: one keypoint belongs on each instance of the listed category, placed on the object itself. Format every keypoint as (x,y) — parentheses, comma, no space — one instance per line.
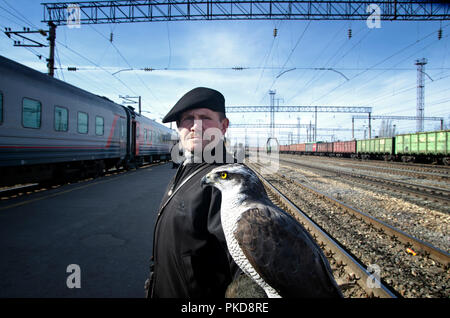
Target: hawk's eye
(223,175)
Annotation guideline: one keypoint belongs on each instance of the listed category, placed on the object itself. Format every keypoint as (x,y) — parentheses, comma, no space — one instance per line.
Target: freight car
(377,148)
(324,148)
(50,129)
(433,146)
(310,147)
(297,149)
(344,148)
(428,147)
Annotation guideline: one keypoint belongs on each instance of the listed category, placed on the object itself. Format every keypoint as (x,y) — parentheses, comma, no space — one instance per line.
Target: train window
(145,134)
(31,113)
(61,119)
(122,128)
(99,125)
(166,138)
(1,108)
(82,123)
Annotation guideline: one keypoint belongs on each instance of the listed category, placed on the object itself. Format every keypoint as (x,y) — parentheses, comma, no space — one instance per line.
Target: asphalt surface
(103,226)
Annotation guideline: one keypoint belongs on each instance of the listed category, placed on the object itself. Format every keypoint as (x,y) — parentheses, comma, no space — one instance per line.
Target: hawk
(267,243)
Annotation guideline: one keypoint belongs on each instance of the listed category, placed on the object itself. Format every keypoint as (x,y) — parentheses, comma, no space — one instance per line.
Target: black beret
(200,97)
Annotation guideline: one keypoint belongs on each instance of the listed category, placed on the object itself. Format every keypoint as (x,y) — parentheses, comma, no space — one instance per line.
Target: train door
(133,137)
(138,137)
(122,136)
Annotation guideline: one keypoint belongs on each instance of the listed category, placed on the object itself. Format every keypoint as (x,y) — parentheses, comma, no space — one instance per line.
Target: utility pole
(315,123)
(310,132)
(371,117)
(353,128)
(128,100)
(139,105)
(420,111)
(28,42)
(272,113)
(51,40)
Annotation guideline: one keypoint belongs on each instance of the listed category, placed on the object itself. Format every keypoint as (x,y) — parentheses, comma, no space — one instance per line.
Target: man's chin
(195,147)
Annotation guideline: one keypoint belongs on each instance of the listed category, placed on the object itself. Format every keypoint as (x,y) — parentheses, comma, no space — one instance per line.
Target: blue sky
(378,63)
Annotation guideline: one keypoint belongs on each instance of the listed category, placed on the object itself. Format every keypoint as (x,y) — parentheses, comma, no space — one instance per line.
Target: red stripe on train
(108,143)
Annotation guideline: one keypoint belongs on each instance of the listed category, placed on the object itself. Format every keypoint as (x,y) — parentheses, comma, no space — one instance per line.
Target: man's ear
(225,124)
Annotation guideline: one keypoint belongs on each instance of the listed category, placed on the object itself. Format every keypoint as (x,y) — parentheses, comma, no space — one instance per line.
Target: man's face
(193,124)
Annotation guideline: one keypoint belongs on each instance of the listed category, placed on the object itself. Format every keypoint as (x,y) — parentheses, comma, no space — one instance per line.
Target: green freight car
(377,148)
(432,146)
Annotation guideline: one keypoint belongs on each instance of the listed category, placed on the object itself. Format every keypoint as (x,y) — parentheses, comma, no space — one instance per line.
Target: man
(190,254)
(190,257)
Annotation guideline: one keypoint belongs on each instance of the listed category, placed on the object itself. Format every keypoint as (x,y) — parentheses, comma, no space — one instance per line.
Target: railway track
(415,190)
(421,171)
(371,241)
(348,271)
(21,190)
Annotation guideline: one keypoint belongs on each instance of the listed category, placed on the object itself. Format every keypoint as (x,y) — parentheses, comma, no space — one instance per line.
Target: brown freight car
(300,148)
(344,148)
(325,148)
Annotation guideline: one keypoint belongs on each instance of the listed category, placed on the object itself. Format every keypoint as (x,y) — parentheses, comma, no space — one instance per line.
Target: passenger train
(51,130)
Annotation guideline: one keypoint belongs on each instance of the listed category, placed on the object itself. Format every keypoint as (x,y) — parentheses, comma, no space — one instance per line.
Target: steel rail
(421,167)
(366,280)
(432,251)
(399,185)
(435,173)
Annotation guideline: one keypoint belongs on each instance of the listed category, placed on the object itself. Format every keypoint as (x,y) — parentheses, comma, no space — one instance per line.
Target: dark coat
(190,256)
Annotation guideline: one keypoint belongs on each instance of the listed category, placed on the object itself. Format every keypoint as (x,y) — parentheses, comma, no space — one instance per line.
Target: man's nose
(197,126)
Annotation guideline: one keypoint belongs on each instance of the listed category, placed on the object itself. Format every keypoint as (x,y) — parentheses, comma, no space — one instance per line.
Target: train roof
(14,66)
(10,65)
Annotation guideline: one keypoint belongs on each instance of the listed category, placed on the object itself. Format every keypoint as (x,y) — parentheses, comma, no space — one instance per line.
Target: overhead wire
(266,57)
(373,68)
(128,63)
(333,37)
(93,81)
(23,19)
(27,22)
(30,49)
(292,51)
(59,63)
(406,89)
(376,64)
(233,68)
(168,68)
(367,83)
(20,16)
(97,65)
(318,76)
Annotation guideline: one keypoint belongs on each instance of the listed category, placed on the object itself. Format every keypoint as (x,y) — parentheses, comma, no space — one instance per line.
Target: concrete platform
(105,226)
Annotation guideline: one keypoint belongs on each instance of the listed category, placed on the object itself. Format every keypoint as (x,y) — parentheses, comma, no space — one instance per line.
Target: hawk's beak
(205,180)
